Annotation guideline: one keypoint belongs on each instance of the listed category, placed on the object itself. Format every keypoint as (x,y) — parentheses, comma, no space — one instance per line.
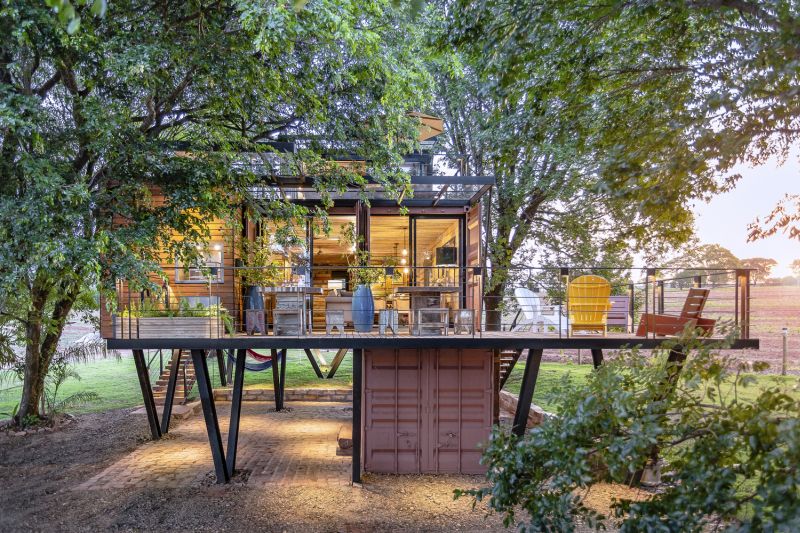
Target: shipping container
(427,410)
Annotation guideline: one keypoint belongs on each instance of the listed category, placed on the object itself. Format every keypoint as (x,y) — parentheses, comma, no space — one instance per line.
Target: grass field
(550,374)
(114,381)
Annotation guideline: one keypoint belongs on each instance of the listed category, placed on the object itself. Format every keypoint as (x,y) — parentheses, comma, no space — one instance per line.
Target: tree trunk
(42,342)
(493,304)
(33,381)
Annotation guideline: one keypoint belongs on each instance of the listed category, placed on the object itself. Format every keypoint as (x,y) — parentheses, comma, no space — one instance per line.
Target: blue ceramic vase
(363,309)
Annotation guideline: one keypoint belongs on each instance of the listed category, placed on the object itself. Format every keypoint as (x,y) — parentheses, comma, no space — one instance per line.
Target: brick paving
(295,447)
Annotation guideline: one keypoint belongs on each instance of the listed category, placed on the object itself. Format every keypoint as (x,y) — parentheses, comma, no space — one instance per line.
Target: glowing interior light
(403,261)
(218,247)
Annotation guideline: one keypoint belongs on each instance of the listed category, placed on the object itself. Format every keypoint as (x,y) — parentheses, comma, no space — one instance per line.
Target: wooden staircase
(160,386)
(508,359)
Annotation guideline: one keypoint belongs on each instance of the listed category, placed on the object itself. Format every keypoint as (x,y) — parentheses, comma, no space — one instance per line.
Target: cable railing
(437,300)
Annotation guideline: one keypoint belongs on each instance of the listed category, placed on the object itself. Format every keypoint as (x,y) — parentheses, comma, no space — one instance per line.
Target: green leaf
(99,8)
(73,25)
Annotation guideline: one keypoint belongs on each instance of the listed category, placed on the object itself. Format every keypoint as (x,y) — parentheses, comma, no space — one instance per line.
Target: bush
(733,457)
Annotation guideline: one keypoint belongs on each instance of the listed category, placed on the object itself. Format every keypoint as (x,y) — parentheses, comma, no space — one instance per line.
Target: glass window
(436,250)
(208,269)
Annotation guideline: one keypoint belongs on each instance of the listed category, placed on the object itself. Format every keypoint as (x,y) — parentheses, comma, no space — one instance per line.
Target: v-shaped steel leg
(529,377)
(147,393)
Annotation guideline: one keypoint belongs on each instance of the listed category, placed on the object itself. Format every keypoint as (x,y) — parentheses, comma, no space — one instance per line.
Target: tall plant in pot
(362,276)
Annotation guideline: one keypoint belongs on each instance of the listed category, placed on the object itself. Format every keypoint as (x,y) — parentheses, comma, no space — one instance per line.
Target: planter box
(178,327)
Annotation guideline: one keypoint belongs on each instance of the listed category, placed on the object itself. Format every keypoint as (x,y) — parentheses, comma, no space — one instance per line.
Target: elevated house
(426,372)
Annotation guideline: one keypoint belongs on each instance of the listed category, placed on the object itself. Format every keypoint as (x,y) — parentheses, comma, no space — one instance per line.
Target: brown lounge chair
(663,325)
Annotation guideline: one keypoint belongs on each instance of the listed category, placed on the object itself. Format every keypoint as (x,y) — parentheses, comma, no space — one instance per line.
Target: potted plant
(257,268)
(363,275)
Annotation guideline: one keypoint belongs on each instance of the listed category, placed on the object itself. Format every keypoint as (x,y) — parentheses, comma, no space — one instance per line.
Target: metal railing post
(743,286)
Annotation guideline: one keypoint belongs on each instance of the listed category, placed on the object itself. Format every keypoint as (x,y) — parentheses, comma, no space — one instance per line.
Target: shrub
(733,451)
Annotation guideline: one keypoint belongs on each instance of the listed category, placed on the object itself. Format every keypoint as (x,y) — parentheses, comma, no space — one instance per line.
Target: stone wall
(299,395)
(508,402)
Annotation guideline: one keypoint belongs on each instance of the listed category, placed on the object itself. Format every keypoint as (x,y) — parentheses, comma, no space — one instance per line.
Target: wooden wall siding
(473,255)
(228,291)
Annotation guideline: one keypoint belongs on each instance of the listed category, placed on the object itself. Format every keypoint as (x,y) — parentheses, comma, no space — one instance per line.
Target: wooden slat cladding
(219,234)
(474,287)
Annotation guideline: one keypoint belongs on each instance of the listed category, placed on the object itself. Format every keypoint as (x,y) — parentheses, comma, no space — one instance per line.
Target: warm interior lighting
(403,261)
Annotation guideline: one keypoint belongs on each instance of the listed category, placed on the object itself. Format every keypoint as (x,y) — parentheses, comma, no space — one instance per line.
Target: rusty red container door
(426,410)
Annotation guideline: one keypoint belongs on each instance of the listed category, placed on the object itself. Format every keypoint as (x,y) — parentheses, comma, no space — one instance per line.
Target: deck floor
(403,339)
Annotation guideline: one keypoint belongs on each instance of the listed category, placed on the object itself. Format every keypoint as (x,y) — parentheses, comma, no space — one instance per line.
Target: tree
(785,217)
(712,262)
(662,99)
(795,266)
(762,267)
(733,452)
(90,121)
(570,184)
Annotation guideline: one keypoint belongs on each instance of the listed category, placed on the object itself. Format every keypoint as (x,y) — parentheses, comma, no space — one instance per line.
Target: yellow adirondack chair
(588,303)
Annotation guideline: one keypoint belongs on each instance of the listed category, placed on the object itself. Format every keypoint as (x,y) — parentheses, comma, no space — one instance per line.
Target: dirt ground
(39,473)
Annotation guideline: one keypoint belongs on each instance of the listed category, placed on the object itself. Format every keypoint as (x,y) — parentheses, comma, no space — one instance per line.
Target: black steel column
(314,363)
(221,364)
(283,377)
(597,357)
(675,361)
(358,356)
(529,377)
(147,393)
(171,385)
(236,411)
(210,415)
(337,360)
(276,379)
(230,360)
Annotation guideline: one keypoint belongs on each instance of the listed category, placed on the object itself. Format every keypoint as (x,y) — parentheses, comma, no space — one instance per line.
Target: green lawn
(114,381)
(551,373)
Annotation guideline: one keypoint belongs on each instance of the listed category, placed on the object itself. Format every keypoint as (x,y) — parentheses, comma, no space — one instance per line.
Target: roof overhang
(427,191)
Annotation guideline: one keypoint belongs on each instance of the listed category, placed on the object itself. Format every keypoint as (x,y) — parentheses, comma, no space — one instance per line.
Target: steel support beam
(174,370)
(276,378)
(147,393)
(222,370)
(529,377)
(337,360)
(210,415)
(283,377)
(236,412)
(230,364)
(675,361)
(314,363)
(597,357)
(358,357)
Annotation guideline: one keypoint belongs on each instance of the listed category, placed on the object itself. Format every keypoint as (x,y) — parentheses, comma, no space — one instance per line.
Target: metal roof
(428,191)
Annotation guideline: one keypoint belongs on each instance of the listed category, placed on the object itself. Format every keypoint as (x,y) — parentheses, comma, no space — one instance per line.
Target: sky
(724,220)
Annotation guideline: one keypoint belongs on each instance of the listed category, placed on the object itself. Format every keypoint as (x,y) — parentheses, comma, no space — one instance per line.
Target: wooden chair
(588,304)
(662,325)
(620,313)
